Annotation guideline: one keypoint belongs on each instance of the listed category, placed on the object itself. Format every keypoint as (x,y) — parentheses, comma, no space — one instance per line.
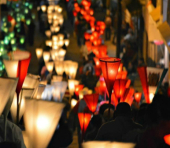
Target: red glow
(128,83)
(74,13)
(91,101)
(86,36)
(168,91)
(119,87)
(102,85)
(97,61)
(78,88)
(128,96)
(91,12)
(137,97)
(84,119)
(114,100)
(167,139)
(98,71)
(89,45)
(143,77)
(110,68)
(122,75)
(120,67)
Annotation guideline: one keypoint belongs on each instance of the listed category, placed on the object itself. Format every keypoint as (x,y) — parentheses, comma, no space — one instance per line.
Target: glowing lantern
(167,139)
(102,85)
(60,10)
(61,43)
(50,66)
(61,54)
(78,88)
(137,97)
(39,52)
(86,36)
(73,103)
(151,96)
(71,85)
(39,91)
(73,69)
(83,92)
(61,20)
(120,67)
(48,33)
(97,61)
(38,123)
(119,87)
(61,36)
(43,8)
(48,43)
(128,83)
(54,54)
(59,90)
(84,119)
(46,56)
(143,77)
(59,67)
(109,68)
(66,66)
(91,101)
(121,75)
(114,100)
(66,41)
(56,29)
(97,71)
(128,96)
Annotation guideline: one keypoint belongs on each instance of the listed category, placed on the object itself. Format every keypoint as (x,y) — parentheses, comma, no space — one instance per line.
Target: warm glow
(56,28)
(39,52)
(48,33)
(73,69)
(46,56)
(48,43)
(137,97)
(11,67)
(151,95)
(43,8)
(61,54)
(50,66)
(66,41)
(59,67)
(61,43)
(167,139)
(61,36)
(54,38)
(60,10)
(73,102)
(71,85)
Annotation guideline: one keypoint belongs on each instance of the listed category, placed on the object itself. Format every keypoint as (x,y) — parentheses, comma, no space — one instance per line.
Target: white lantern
(50,16)
(54,53)
(66,66)
(61,54)
(56,7)
(66,42)
(73,69)
(48,33)
(41,119)
(46,56)
(60,10)
(55,38)
(71,85)
(56,29)
(56,79)
(55,16)
(39,91)
(47,93)
(61,36)
(50,21)
(61,20)
(39,52)
(11,67)
(31,81)
(50,66)
(48,43)
(59,67)
(73,102)
(61,43)
(43,8)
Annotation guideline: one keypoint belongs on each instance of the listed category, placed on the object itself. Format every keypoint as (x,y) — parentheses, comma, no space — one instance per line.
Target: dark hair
(123,109)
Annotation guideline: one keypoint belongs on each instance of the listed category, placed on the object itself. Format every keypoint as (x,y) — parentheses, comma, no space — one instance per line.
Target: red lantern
(91,12)
(137,97)
(120,67)
(119,87)
(128,96)
(128,83)
(95,34)
(143,77)
(76,5)
(114,100)
(122,75)
(74,13)
(97,61)
(102,85)
(84,119)
(98,71)
(89,45)
(110,68)
(167,139)
(78,88)
(168,92)
(86,36)
(91,101)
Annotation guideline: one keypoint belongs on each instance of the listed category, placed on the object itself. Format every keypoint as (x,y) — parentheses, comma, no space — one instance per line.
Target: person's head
(108,116)
(123,109)
(97,121)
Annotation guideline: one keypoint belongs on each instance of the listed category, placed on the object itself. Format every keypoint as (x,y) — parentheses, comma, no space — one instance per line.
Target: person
(123,123)
(13,133)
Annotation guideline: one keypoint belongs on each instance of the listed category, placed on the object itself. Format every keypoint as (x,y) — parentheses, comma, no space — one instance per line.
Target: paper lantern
(73,69)
(91,101)
(50,66)
(151,96)
(59,90)
(128,96)
(121,75)
(167,139)
(84,119)
(54,38)
(98,71)
(31,81)
(114,100)
(39,91)
(48,43)
(71,85)
(78,88)
(128,83)
(143,77)
(56,28)
(61,54)
(119,87)
(48,33)
(56,79)
(66,66)
(43,8)
(46,56)
(61,36)
(53,53)
(137,96)
(73,102)
(59,67)
(120,67)
(103,88)
(38,123)
(66,41)
(60,43)
(97,61)
(39,52)
(47,93)
(109,68)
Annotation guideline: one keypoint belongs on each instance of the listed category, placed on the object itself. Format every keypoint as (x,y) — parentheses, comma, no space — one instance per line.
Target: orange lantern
(91,12)
(128,83)
(91,101)
(137,96)
(114,100)
(128,96)
(89,45)
(86,36)
(110,68)
(167,139)
(119,87)
(78,88)
(84,119)
(97,61)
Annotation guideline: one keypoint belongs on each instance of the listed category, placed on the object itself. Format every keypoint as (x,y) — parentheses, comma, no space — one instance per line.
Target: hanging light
(73,69)
(66,41)
(57,78)
(48,43)
(66,66)
(97,61)
(43,8)
(59,10)
(56,29)
(46,56)
(91,101)
(84,119)
(55,38)
(48,33)
(39,91)
(128,96)
(78,88)
(59,67)
(137,96)
(50,66)
(61,54)
(61,36)
(73,102)
(38,123)
(39,52)
(61,43)
(71,85)
(53,53)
